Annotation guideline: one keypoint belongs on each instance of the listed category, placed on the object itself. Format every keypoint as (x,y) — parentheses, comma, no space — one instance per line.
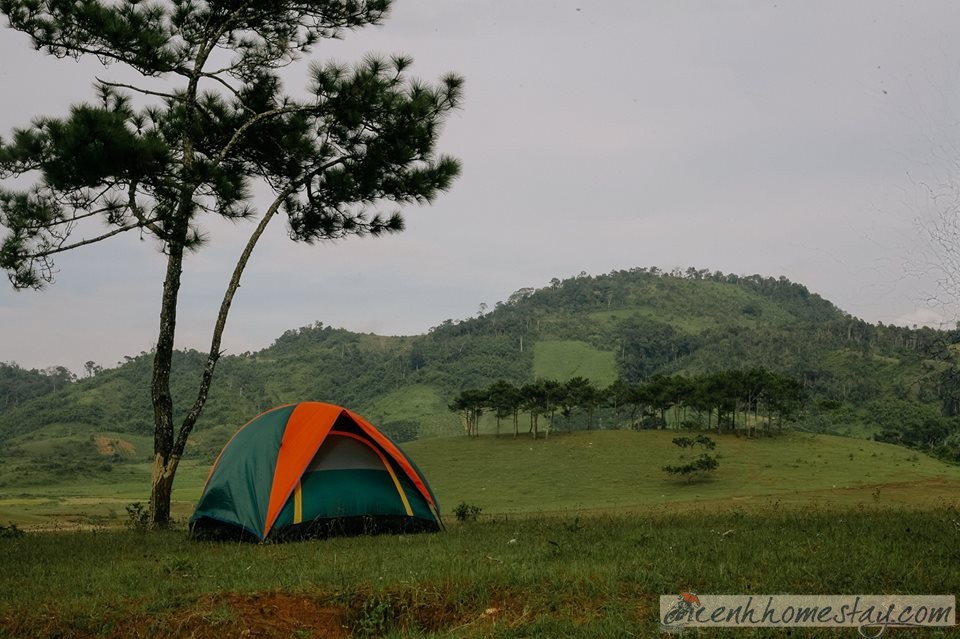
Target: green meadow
(582,471)
(504,576)
(578,535)
(565,359)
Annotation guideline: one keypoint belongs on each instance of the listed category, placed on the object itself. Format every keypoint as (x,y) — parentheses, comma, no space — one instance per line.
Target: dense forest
(633,326)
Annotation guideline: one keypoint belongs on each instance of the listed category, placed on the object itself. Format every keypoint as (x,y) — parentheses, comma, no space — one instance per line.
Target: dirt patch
(321,616)
(108,447)
(281,614)
(271,614)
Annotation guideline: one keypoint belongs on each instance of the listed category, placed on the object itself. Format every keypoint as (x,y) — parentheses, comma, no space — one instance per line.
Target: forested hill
(625,324)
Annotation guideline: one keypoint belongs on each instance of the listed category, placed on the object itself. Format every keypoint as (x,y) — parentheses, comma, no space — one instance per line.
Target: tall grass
(504,577)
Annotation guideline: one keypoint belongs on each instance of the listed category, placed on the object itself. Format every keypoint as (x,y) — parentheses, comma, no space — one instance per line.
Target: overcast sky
(780,138)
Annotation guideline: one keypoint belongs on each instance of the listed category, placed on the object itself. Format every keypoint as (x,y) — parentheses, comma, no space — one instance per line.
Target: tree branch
(68,247)
(73,51)
(138,212)
(119,85)
(246,126)
(214,354)
(231,89)
(75,218)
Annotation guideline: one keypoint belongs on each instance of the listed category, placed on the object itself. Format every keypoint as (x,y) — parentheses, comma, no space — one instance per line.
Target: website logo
(870,614)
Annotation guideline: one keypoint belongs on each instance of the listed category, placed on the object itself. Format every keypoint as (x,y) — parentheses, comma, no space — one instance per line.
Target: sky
(780,138)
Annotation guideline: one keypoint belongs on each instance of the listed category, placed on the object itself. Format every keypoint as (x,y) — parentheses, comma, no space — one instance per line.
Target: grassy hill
(626,324)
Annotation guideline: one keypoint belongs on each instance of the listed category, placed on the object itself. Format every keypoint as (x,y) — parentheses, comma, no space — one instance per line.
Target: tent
(312,469)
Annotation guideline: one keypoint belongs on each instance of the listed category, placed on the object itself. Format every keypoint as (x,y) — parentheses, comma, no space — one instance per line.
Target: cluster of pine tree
(745,401)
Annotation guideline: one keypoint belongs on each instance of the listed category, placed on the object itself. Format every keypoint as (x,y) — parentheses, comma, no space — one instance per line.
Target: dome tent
(312,469)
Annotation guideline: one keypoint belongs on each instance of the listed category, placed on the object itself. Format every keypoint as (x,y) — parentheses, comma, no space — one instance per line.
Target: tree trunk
(162,489)
(165,466)
(168,451)
(162,480)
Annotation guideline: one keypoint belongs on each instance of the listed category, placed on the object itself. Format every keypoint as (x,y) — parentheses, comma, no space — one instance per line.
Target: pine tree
(218,122)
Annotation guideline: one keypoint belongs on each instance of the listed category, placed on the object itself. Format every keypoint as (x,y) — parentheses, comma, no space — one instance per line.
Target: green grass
(503,577)
(564,359)
(578,537)
(622,469)
(579,471)
(99,500)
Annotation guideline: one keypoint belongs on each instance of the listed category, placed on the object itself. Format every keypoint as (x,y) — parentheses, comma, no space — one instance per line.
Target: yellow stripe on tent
(396,482)
(297,505)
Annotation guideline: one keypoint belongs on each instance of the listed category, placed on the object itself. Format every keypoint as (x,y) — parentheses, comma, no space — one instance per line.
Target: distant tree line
(749,401)
(921,427)
(18,385)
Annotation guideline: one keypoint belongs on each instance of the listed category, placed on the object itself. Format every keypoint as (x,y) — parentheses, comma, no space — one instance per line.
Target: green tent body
(312,469)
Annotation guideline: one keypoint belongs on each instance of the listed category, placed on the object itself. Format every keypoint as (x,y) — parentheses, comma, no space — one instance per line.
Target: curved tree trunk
(163,469)
(167,451)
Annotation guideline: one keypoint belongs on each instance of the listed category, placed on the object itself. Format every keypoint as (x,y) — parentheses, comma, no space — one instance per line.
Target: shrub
(378,615)
(699,466)
(705,463)
(467,512)
(138,516)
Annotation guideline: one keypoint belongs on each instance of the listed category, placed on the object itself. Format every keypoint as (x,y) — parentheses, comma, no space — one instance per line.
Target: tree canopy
(160,158)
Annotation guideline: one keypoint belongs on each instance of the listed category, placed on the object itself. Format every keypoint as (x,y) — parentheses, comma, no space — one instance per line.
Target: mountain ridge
(628,324)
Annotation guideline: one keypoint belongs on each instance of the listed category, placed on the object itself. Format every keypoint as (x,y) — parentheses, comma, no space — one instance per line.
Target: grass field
(505,577)
(622,469)
(578,537)
(580,471)
(564,359)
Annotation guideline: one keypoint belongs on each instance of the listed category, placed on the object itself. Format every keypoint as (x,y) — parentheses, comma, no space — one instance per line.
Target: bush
(467,512)
(11,531)
(699,466)
(138,516)
(703,464)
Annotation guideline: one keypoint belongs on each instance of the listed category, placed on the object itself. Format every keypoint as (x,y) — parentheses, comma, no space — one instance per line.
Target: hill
(625,324)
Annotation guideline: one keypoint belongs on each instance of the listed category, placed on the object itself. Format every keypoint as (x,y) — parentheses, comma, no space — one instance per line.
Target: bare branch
(120,85)
(70,220)
(63,248)
(214,354)
(246,126)
(231,89)
(138,212)
(106,57)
